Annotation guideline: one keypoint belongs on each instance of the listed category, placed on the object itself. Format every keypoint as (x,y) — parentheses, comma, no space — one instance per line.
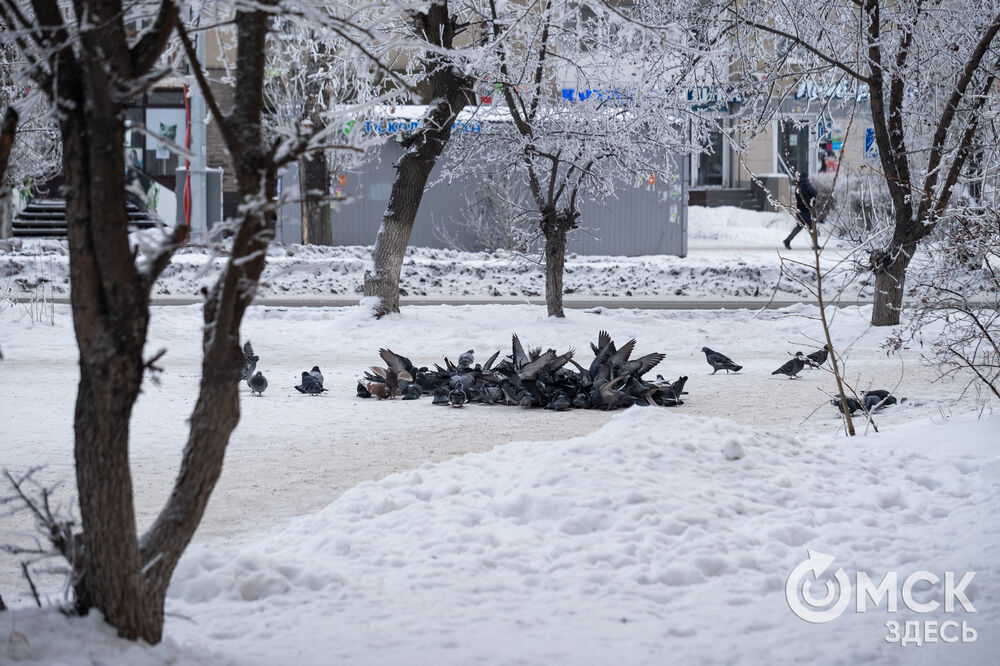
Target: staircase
(46,218)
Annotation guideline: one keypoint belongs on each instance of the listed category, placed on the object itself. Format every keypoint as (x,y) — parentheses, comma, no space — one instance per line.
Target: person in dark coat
(805,199)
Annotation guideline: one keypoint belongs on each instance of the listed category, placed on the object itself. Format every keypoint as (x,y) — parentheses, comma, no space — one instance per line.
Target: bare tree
(450,92)
(622,122)
(928,72)
(90,76)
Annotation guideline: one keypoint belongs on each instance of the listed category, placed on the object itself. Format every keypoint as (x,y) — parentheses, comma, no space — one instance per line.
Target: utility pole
(199,197)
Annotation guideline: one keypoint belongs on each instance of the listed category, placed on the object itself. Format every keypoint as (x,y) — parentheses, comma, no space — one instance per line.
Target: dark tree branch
(147,50)
(206,90)
(798,41)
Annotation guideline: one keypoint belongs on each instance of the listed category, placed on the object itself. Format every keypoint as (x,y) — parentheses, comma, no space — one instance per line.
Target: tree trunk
(314,182)
(890,276)
(555,228)
(314,177)
(6,212)
(555,262)
(451,91)
(110,315)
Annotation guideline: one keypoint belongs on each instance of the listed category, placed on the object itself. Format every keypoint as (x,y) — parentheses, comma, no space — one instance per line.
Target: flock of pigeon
(531,378)
(534,378)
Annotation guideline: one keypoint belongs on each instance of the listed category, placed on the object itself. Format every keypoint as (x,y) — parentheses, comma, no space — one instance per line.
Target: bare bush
(958,303)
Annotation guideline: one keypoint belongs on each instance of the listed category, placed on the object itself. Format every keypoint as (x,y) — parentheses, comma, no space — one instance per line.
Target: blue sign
(871,148)
(396,127)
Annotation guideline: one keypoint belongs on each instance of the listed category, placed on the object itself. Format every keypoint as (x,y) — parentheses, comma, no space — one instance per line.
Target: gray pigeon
(818,358)
(878,398)
(466,359)
(257,383)
(316,374)
(720,361)
(412,392)
(457,397)
(852,404)
(440,396)
(249,362)
(309,385)
(792,367)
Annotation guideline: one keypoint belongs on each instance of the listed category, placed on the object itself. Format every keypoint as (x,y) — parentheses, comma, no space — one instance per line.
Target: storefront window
(793,147)
(710,162)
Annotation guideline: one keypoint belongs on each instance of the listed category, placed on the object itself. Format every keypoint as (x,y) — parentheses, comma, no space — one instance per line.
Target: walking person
(805,199)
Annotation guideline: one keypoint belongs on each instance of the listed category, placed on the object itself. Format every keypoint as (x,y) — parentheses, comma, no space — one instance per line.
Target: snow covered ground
(362,532)
(356,531)
(733,253)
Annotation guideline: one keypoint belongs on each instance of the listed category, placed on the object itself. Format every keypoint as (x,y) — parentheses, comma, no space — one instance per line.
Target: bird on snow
(466,359)
(412,392)
(309,385)
(394,380)
(363,391)
(818,358)
(249,362)
(257,383)
(852,404)
(440,396)
(792,367)
(878,398)
(457,397)
(720,361)
(316,374)
(379,390)
(560,403)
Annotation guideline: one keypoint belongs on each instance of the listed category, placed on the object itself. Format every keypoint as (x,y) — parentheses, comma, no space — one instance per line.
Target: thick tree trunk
(110,316)
(314,177)
(555,263)
(451,91)
(412,172)
(314,182)
(555,228)
(890,277)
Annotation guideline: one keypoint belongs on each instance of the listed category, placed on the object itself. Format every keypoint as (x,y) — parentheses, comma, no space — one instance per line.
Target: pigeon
(396,362)
(792,367)
(379,390)
(257,383)
(720,361)
(412,392)
(309,385)
(391,378)
(457,397)
(441,396)
(316,374)
(249,362)
(878,398)
(818,358)
(560,403)
(363,391)
(466,359)
(852,404)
